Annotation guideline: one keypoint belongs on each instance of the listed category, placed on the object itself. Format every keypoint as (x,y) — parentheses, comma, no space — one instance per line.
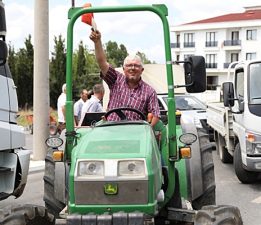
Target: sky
(138,31)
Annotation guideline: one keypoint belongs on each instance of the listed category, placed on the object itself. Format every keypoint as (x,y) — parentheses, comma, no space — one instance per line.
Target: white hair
(132,57)
(64,88)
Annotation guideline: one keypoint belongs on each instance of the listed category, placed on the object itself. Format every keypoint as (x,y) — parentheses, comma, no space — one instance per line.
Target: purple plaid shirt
(143,98)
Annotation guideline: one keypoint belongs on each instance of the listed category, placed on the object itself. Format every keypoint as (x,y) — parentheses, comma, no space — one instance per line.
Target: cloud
(19,21)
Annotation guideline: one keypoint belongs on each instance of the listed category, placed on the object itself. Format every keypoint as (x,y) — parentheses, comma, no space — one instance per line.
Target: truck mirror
(195,74)
(228,94)
(3,52)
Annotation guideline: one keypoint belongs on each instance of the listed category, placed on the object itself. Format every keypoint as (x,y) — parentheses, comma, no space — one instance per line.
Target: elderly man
(79,105)
(128,89)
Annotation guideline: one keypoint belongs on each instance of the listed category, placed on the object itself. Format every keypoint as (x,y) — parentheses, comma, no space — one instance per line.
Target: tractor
(126,172)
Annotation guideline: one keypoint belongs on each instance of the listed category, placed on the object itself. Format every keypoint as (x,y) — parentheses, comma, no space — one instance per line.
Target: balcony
(189,44)
(175,45)
(211,65)
(226,65)
(232,43)
(211,43)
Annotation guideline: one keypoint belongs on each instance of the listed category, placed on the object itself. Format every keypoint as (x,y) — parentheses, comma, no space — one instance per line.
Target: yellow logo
(110,189)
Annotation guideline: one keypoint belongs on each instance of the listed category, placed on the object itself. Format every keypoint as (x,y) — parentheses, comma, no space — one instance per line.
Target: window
(234,57)
(212,82)
(189,40)
(211,61)
(255,83)
(239,86)
(187,55)
(251,35)
(178,38)
(211,39)
(234,35)
(250,55)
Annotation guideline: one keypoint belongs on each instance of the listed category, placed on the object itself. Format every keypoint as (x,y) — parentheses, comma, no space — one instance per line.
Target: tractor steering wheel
(122,115)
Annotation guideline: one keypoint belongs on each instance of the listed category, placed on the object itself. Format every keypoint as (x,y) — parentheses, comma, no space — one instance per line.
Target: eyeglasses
(135,66)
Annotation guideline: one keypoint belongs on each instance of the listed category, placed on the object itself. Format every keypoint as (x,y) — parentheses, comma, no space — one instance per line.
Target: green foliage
(57,70)
(143,58)
(86,72)
(115,54)
(21,66)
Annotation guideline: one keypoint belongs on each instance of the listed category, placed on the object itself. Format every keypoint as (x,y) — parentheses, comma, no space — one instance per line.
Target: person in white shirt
(61,109)
(78,106)
(94,103)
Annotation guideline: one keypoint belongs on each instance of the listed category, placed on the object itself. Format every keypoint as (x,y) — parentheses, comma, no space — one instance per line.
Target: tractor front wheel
(26,215)
(208,196)
(52,204)
(218,215)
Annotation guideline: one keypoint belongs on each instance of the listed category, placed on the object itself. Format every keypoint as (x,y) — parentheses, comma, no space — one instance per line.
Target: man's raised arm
(95,36)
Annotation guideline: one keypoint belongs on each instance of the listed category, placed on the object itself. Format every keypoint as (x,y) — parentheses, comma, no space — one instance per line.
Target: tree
(22,66)
(11,62)
(144,58)
(85,70)
(57,70)
(115,54)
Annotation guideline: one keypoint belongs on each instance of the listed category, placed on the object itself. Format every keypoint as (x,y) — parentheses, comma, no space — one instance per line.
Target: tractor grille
(128,192)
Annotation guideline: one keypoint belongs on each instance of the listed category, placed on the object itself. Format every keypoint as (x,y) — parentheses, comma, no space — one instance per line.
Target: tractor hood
(115,141)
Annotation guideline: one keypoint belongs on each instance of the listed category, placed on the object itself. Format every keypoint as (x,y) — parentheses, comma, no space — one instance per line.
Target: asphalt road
(229,191)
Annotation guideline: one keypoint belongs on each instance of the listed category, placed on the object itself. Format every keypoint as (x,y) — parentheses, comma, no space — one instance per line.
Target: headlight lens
(54,142)
(131,168)
(253,144)
(91,168)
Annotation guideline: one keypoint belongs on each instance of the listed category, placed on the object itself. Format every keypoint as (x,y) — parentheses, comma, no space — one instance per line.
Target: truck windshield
(255,83)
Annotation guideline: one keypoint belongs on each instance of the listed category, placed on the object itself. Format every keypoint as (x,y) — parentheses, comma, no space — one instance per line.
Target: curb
(36,166)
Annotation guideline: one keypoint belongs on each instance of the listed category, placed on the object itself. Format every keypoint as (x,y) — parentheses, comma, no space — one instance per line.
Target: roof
(249,14)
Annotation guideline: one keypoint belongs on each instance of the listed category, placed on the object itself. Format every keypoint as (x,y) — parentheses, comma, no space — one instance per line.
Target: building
(221,40)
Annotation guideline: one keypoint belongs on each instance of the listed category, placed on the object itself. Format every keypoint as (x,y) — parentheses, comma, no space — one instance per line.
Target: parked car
(191,108)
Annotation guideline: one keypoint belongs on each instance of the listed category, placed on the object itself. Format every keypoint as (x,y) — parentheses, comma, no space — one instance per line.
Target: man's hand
(95,36)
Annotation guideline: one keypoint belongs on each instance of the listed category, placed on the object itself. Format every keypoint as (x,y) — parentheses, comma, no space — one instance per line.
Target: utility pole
(41,78)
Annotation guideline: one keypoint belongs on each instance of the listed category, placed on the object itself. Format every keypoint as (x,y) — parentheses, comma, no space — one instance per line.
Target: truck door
(5,128)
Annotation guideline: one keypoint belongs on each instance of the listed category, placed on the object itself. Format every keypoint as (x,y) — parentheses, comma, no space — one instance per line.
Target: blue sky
(137,31)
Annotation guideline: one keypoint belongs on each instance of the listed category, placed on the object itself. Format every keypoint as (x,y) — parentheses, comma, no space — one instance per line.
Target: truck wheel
(52,204)
(26,215)
(243,175)
(224,156)
(218,215)
(208,196)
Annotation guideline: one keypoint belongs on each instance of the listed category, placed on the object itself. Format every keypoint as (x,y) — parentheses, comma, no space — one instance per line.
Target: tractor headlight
(91,168)
(131,168)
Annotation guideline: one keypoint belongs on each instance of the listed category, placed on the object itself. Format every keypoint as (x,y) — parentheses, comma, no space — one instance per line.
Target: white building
(221,40)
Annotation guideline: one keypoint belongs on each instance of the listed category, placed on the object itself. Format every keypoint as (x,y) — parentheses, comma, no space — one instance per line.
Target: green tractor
(122,173)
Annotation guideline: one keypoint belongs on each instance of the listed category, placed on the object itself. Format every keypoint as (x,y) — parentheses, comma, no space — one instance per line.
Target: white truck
(236,121)
(14,160)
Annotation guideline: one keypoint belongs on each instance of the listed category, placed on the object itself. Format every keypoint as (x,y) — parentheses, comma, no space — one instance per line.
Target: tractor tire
(224,156)
(53,205)
(208,196)
(218,215)
(26,215)
(246,177)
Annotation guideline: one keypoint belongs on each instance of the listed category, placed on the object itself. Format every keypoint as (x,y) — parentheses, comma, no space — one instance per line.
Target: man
(61,109)
(128,89)
(78,106)
(94,103)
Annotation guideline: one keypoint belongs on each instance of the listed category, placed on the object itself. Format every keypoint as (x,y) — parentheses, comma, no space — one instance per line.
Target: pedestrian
(61,109)
(78,106)
(94,103)
(127,89)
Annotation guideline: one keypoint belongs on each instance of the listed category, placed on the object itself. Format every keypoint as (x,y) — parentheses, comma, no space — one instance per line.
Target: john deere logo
(110,189)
